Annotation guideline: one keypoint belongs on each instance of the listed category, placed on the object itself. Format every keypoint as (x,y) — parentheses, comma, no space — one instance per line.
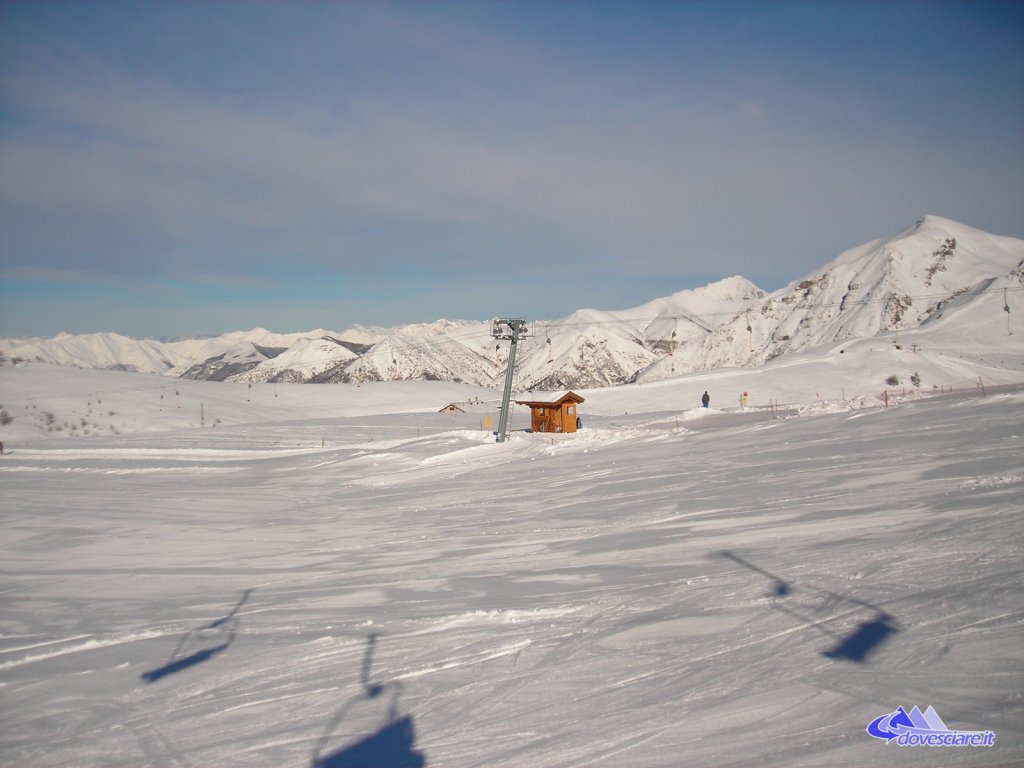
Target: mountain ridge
(907,282)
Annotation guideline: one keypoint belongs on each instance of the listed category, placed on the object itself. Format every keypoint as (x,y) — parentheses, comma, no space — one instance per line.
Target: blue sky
(186,168)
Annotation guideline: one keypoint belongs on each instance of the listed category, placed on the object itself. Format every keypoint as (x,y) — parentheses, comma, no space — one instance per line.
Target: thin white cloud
(423,142)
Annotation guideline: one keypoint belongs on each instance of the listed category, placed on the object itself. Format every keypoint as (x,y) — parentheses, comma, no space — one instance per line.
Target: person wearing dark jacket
(706,399)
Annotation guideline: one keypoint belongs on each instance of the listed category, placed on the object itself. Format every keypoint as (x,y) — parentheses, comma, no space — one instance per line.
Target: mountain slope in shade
(232,363)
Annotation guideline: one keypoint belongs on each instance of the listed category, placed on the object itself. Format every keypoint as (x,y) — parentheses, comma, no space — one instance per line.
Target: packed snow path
(642,593)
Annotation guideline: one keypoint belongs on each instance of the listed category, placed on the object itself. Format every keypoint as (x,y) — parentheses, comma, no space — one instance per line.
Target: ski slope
(334,575)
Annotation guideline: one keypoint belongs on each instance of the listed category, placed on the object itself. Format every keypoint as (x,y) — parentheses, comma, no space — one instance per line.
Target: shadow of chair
(856,645)
(392,745)
(200,644)
(861,643)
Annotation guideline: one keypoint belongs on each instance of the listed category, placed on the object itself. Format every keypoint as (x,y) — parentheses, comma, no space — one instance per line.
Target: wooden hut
(555,415)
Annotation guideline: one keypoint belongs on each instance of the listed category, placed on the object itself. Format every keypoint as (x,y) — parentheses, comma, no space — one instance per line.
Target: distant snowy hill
(932,276)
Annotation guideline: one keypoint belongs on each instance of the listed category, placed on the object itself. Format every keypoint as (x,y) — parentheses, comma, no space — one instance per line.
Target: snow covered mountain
(930,277)
(115,352)
(934,275)
(303,361)
(402,356)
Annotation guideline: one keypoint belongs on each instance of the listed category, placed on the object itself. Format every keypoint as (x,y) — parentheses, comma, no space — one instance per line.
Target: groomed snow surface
(346,577)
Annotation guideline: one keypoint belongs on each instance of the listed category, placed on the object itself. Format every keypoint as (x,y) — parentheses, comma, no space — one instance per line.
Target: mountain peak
(938,269)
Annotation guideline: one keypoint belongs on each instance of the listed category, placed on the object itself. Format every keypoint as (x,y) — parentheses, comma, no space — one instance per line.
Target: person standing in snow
(706,399)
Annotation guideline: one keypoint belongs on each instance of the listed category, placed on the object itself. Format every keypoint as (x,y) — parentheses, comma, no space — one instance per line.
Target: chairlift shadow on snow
(861,643)
(200,644)
(856,645)
(392,745)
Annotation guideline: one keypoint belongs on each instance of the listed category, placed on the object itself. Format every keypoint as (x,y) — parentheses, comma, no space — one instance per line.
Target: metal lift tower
(512,329)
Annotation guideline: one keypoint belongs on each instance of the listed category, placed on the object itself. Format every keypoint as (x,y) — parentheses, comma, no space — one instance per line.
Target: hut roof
(472,406)
(556,399)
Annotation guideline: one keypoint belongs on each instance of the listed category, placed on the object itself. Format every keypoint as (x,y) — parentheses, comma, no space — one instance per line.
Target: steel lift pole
(511,329)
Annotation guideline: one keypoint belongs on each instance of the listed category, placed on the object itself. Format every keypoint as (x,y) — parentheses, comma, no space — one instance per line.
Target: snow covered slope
(895,284)
(100,350)
(878,289)
(401,357)
(327,573)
